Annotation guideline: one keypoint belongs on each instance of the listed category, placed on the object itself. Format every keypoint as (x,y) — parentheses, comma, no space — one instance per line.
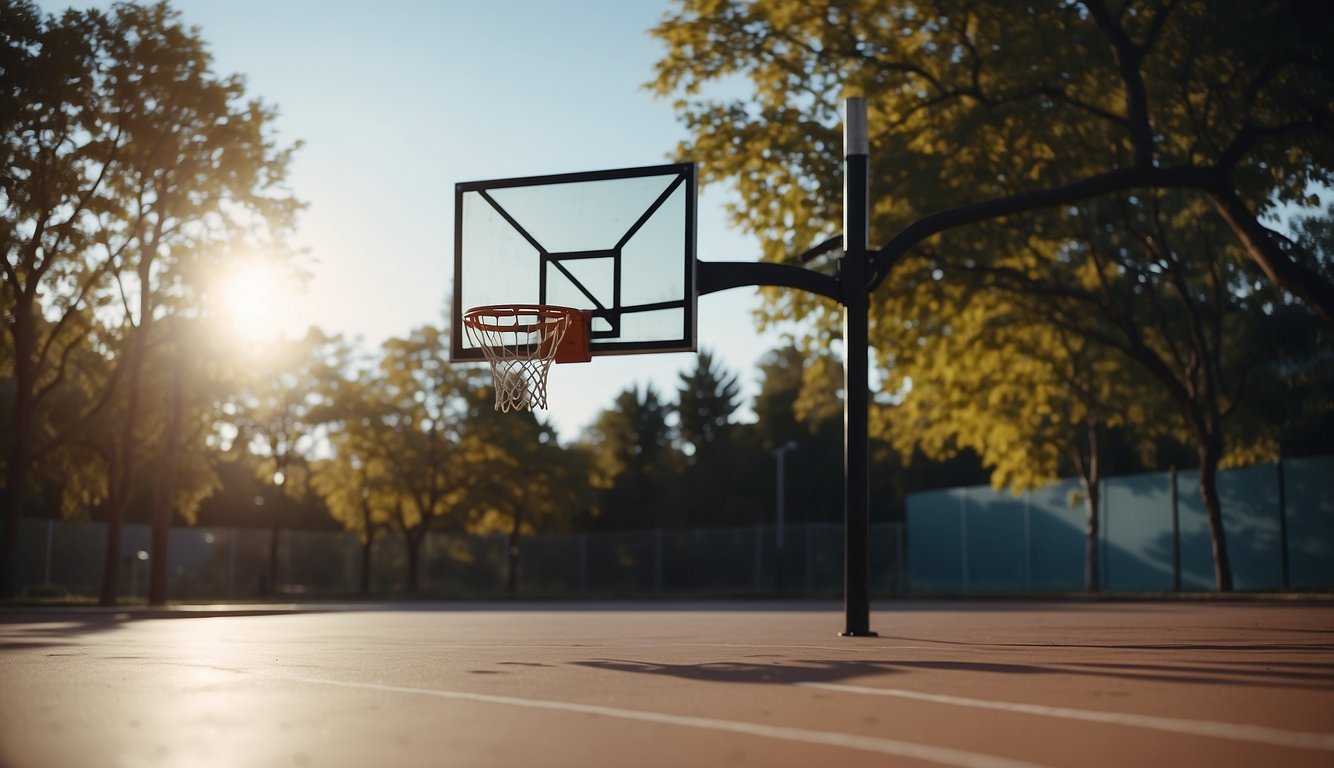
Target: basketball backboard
(619,243)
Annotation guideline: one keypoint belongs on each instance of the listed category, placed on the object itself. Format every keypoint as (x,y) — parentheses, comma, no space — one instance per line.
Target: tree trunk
(272,588)
(111,564)
(414,541)
(1289,274)
(1210,452)
(166,490)
(367,544)
(512,582)
(1090,479)
(18,465)
(16,489)
(122,476)
(122,481)
(1092,569)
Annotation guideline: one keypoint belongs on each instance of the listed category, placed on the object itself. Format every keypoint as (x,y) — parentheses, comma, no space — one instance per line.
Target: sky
(397,101)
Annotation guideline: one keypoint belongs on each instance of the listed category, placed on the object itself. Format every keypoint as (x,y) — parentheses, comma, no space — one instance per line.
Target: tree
(124,155)
(277,416)
(707,397)
(982,110)
(1031,400)
(184,474)
(1156,282)
(520,478)
(356,482)
(425,403)
(724,459)
(634,463)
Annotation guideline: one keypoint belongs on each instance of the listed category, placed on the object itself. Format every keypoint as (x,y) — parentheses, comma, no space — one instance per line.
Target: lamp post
(779,497)
(278,479)
(139,557)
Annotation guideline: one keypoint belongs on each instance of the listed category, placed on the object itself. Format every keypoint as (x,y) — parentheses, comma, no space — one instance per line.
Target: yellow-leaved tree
(1056,122)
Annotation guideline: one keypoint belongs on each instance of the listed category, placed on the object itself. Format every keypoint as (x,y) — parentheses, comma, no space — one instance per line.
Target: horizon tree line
(1076,200)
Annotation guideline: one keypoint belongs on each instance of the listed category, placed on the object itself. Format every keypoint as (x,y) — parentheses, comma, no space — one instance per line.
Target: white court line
(940,755)
(1236,731)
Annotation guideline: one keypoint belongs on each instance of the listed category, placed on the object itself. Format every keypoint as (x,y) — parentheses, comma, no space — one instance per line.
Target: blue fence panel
(1249,498)
(1197,559)
(1309,496)
(1137,533)
(935,554)
(976,539)
(994,525)
(1056,537)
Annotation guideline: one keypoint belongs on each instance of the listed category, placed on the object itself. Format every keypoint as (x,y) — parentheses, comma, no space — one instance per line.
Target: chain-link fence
(1278,521)
(66,558)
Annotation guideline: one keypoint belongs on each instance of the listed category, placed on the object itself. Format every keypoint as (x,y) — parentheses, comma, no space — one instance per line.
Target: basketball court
(984,685)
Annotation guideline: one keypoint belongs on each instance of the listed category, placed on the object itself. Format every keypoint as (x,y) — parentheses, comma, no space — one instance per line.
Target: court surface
(982,685)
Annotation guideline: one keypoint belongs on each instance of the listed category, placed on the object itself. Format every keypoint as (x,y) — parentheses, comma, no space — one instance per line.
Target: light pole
(779,454)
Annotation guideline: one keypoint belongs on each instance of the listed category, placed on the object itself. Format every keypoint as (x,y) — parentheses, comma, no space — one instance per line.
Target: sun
(253,299)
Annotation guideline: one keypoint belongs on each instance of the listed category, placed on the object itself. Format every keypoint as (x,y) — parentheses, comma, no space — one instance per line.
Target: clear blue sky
(397,101)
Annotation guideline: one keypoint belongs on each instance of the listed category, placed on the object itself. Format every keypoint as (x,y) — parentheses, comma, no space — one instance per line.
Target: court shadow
(787,672)
(1271,675)
(34,629)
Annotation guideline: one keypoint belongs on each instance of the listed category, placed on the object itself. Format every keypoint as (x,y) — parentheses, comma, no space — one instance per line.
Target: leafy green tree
(980,110)
(706,400)
(520,479)
(277,414)
(1031,400)
(983,111)
(1156,281)
(634,463)
(719,482)
(124,154)
(177,448)
(425,404)
(355,483)
(798,404)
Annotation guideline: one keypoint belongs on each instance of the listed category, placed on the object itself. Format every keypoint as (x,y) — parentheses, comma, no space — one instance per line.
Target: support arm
(713,276)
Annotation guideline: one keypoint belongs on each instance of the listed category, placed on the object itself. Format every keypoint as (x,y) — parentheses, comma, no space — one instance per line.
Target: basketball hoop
(521,341)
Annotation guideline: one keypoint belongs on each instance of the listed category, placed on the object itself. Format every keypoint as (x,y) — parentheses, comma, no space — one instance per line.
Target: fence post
(810,558)
(1028,545)
(900,561)
(1282,522)
(759,558)
(657,560)
(963,540)
(231,562)
(583,563)
(51,531)
(1176,533)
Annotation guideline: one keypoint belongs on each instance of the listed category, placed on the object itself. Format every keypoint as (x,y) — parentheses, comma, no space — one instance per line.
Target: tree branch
(1119,180)
(1262,244)
(1128,57)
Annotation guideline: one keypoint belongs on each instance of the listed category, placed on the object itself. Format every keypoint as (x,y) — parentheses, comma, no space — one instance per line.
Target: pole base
(862,633)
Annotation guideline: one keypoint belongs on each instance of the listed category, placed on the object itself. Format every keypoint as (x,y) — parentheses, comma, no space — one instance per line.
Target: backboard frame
(676,177)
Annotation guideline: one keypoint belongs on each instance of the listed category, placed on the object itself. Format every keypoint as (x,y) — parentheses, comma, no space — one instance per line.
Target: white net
(519,341)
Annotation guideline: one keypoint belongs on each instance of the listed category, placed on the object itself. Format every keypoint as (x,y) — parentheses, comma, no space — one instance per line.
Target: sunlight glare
(253,299)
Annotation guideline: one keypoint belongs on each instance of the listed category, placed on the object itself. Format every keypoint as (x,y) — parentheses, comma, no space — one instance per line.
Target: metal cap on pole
(855,139)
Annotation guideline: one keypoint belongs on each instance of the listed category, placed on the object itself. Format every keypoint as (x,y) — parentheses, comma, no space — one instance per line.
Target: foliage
(980,109)
(706,400)
(634,462)
(1009,140)
(125,158)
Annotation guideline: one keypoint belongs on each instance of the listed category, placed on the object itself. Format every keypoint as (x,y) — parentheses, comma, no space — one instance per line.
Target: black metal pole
(856,384)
